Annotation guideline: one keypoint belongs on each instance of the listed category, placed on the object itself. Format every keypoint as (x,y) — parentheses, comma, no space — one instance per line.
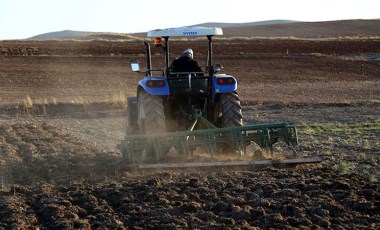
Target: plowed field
(63,112)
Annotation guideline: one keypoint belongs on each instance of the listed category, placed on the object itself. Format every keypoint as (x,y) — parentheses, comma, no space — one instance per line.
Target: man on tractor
(186,63)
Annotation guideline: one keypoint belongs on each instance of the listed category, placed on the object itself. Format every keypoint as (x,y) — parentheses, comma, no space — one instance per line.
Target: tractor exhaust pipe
(209,56)
(148,59)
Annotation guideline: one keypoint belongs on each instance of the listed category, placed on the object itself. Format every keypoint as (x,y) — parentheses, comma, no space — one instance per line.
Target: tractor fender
(218,88)
(157,90)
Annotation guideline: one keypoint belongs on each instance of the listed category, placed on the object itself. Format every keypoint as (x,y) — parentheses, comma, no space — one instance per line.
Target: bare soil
(62,114)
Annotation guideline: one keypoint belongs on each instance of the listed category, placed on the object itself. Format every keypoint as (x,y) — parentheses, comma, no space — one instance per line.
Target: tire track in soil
(34,152)
(57,212)
(8,137)
(95,208)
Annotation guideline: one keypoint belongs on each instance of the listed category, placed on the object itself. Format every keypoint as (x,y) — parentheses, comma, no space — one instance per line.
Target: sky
(21,19)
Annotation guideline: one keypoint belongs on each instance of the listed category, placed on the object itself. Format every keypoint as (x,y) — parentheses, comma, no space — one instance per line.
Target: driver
(185,63)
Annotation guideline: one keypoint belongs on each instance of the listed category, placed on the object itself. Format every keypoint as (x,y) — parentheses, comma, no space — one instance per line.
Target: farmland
(62,114)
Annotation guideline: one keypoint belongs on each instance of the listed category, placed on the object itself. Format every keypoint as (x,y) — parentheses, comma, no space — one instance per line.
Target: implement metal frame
(264,135)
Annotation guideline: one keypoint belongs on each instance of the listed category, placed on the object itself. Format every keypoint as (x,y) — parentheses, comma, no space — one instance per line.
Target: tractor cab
(161,39)
(164,81)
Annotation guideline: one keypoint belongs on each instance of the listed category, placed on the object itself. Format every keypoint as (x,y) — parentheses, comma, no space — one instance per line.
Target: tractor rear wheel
(228,114)
(150,113)
(150,118)
(231,110)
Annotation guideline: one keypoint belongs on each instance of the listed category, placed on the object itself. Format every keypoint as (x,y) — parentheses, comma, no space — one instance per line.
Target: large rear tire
(228,113)
(150,119)
(231,110)
(150,113)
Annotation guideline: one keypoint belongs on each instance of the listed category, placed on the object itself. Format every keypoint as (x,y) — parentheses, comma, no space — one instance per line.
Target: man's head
(187,53)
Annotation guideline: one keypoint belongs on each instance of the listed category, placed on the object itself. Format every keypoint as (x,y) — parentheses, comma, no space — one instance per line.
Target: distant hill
(82,35)
(231,25)
(271,28)
(63,34)
(341,28)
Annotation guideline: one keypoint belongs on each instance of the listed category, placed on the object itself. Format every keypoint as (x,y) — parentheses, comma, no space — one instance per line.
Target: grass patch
(363,135)
(355,128)
(344,167)
(348,148)
(374,178)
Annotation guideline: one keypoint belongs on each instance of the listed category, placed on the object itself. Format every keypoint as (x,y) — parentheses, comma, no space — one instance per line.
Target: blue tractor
(187,110)
(168,101)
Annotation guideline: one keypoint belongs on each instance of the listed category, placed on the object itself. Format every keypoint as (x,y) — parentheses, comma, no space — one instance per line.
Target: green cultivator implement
(179,111)
(213,139)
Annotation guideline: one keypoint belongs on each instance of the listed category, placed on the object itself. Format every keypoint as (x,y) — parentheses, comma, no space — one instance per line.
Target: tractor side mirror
(135,66)
(218,68)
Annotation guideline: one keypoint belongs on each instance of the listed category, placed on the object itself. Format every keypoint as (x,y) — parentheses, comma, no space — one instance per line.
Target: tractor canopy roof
(191,31)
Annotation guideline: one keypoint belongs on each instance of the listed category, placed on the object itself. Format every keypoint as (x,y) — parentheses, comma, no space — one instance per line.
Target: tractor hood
(186,32)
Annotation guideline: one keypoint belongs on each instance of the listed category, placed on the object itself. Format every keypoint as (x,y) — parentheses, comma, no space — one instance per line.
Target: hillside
(236,25)
(271,28)
(63,34)
(309,29)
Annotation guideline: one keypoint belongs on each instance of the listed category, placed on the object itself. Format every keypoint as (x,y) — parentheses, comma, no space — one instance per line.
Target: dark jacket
(185,64)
